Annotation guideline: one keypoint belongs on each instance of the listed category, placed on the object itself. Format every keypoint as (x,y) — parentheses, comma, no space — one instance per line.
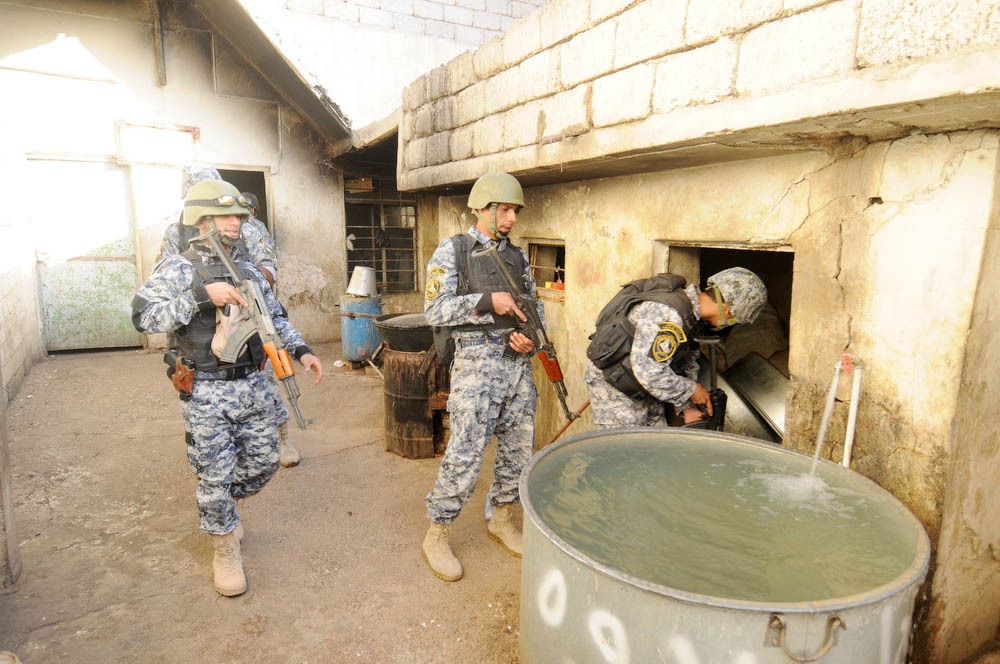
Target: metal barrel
(416,395)
(359,337)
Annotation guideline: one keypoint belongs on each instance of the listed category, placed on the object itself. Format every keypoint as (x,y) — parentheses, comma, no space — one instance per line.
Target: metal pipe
(825,422)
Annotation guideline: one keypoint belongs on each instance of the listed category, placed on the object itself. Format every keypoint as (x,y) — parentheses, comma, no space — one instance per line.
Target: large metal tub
(580,603)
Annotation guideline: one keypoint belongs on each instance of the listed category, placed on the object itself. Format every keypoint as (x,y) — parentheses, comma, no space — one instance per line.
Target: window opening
(381,228)
(547,260)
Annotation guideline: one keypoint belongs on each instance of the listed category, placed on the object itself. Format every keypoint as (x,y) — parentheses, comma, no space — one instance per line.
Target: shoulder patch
(433,289)
(667,341)
(437,271)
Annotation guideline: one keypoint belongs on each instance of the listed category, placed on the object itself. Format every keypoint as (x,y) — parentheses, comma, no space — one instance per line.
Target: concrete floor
(116,570)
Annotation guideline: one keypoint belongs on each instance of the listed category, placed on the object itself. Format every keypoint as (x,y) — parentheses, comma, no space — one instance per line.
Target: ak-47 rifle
(259,322)
(534,329)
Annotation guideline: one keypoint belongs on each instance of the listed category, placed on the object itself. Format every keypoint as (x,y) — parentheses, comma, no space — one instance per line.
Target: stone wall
(579,81)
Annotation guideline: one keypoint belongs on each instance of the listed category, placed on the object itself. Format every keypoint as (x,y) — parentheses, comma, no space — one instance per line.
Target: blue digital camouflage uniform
(231,425)
(656,372)
(490,394)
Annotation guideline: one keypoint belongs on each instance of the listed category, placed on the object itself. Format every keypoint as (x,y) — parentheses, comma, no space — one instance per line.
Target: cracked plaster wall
(888,239)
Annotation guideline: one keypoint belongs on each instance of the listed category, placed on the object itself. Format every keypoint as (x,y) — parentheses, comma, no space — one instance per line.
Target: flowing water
(723,518)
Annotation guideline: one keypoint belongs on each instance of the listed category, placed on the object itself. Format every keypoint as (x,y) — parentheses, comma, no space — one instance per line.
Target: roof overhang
(230,19)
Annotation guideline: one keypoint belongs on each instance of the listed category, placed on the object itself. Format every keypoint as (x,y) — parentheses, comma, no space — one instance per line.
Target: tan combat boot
(228,566)
(437,553)
(289,455)
(502,529)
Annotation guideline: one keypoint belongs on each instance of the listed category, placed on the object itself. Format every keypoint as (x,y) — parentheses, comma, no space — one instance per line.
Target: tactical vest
(194,340)
(478,275)
(611,344)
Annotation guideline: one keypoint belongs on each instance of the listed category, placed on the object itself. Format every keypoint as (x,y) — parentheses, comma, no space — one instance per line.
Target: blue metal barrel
(358,334)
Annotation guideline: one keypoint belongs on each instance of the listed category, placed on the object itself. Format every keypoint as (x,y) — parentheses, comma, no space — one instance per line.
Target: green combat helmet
(494,188)
(742,290)
(209,198)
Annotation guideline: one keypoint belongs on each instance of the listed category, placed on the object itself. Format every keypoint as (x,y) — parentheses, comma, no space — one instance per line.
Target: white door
(86,257)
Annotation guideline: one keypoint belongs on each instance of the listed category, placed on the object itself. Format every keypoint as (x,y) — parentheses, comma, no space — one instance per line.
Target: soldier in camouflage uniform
(664,355)
(232,413)
(492,385)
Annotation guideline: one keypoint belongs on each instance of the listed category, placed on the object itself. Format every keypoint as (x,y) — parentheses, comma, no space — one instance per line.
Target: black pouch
(444,344)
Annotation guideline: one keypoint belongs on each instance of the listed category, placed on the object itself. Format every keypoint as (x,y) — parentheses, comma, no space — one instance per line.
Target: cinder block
(588,55)
(341,11)
(897,30)
(409,24)
(538,75)
(437,149)
(523,125)
(766,52)
(649,30)
(424,9)
(486,21)
(604,9)
(457,15)
(439,29)
(305,6)
(470,105)
(522,40)
(567,112)
(560,20)
(442,110)
(375,17)
(699,76)
(461,143)
(488,135)
(415,154)
(707,21)
(423,121)
(624,96)
(488,58)
(437,82)
(460,73)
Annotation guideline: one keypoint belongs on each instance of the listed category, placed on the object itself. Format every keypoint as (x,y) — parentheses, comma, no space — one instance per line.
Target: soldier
(492,386)
(651,359)
(232,411)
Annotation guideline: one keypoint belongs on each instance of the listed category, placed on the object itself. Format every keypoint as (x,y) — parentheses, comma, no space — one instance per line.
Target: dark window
(383,223)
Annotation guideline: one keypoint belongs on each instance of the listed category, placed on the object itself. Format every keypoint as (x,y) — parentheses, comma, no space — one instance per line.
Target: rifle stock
(534,329)
(260,322)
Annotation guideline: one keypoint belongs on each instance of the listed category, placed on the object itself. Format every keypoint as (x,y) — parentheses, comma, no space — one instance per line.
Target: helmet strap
(226,240)
(493,223)
(725,320)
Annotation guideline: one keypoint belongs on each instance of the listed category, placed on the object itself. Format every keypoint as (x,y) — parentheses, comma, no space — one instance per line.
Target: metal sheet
(762,387)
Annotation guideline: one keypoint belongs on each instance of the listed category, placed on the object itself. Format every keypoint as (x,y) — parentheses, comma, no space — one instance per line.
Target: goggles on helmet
(225,200)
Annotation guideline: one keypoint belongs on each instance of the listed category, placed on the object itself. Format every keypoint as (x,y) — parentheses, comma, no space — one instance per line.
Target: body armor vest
(611,344)
(480,275)
(194,340)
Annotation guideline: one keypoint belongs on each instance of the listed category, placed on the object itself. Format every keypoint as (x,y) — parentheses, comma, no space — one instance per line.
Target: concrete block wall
(465,21)
(631,76)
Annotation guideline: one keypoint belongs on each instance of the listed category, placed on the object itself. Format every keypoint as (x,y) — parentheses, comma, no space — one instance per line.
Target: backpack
(611,342)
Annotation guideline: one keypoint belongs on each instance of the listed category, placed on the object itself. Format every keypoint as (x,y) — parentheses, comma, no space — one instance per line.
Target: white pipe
(827,412)
(852,415)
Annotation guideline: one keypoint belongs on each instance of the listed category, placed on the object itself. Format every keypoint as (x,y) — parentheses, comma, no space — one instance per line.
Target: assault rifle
(534,329)
(259,322)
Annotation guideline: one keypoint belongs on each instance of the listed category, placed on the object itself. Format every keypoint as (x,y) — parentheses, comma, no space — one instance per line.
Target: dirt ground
(116,570)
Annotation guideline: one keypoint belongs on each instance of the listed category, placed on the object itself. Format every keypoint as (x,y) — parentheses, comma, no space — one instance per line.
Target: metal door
(86,257)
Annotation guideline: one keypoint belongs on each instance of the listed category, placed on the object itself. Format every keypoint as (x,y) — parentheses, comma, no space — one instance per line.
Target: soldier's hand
(504,305)
(312,363)
(222,293)
(521,343)
(701,398)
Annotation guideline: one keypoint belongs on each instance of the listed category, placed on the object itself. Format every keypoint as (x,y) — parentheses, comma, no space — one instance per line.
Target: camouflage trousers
(611,408)
(490,395)
(231,429)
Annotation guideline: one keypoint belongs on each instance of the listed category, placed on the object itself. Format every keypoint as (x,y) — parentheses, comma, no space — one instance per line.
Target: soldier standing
(658,362)
(492,385)
(231,411)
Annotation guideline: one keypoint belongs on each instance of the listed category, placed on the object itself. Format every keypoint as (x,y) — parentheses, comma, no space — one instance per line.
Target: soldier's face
(228,225)
(506,217)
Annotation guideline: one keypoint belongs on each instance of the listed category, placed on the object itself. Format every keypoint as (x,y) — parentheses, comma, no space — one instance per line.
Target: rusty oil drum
(416,396)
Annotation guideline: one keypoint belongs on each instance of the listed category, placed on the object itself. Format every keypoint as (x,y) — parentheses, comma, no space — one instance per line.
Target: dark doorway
(252,181)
